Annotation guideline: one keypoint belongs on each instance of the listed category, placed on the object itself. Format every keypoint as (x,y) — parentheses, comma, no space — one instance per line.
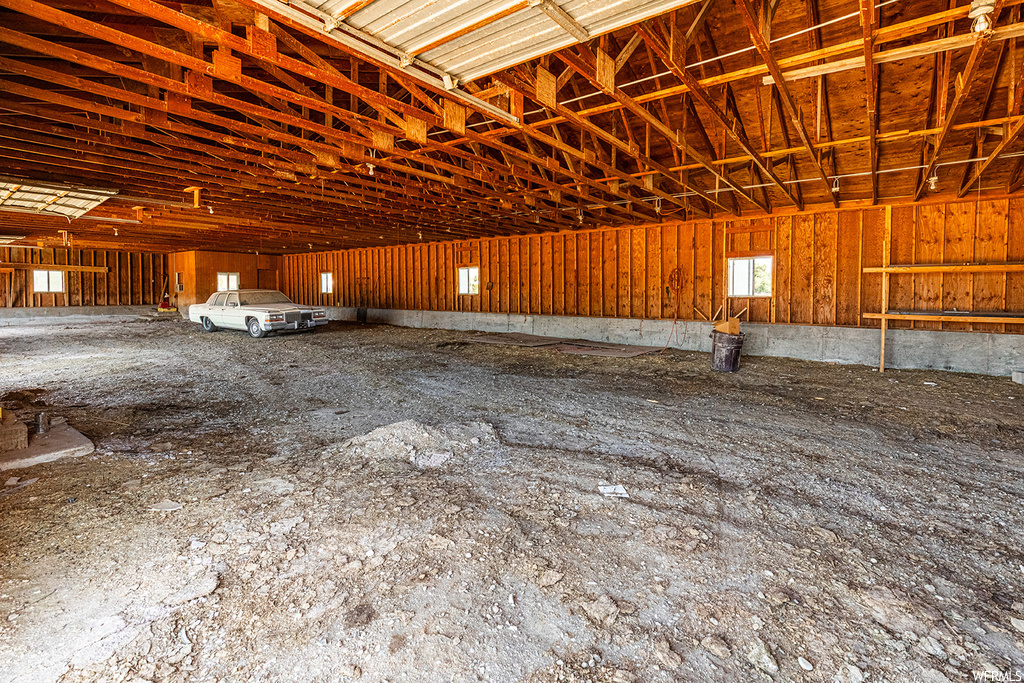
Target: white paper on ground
(615,491)
(166,506)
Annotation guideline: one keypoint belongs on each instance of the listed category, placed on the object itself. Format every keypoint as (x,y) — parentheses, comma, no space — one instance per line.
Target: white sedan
(256,310)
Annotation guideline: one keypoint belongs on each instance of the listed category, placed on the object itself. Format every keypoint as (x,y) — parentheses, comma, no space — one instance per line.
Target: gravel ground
(395,505)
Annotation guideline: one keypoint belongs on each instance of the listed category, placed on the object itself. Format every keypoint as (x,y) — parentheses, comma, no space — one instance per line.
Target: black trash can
(725,351)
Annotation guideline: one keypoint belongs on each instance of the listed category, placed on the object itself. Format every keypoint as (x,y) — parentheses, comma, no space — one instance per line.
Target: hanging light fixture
(835,186)
(933,183)
(981,13)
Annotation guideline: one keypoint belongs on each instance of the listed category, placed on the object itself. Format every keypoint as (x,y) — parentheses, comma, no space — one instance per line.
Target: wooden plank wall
(198,272)
(627,272)
(132,278)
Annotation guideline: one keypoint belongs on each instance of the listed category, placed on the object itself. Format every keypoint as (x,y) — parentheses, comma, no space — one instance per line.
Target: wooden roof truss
(301,140)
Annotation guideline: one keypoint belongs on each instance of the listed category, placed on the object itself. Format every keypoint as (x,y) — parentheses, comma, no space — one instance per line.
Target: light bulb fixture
(370,167)
(657,205)
(981,13)
(579,215)
(835,186)
(933,183)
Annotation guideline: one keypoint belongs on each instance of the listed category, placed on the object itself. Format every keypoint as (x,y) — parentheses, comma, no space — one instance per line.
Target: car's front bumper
(297,325)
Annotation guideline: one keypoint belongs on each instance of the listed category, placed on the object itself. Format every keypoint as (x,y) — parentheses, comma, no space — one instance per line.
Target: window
(750,276)
(222,300)
(179,282)
(227,281)
(47,281)
(326,283)
(469,280)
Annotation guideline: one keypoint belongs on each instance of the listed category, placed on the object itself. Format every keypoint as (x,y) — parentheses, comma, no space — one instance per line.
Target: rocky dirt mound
(422,446)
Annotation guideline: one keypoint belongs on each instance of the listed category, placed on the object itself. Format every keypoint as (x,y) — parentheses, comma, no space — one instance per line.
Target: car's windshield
(264,297)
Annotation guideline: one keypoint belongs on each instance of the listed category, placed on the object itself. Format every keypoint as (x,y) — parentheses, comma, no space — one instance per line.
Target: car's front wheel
(256,330)
(208,325)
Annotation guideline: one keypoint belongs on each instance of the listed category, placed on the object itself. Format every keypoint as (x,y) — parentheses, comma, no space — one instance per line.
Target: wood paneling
(625,272)
(199,270)
(132,278)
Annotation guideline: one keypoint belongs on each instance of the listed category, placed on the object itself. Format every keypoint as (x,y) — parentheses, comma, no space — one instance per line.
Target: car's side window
(232,299)
(221,298)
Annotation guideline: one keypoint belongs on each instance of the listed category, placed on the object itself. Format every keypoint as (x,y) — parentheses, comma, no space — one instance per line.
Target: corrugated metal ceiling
(71,203)
(472,38)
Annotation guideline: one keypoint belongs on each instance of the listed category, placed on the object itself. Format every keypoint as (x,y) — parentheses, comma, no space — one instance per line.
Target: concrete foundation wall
(976,352)
(11,316)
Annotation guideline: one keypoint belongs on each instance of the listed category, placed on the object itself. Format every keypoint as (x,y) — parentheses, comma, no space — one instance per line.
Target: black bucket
(360,315)
(725,351)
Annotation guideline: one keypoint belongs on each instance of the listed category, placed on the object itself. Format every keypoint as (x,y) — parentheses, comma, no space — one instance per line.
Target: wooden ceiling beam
(900,54)
(884,34)
(665,53)
(530,90)
(747,13)
(134,74)
(869,20)
(1008,138)
(964,81)
(233,184)
(674,137)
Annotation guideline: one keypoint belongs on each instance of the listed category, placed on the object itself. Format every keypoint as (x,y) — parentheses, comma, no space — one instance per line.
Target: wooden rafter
(666,54)
(748,15)
(869,21)
(675,137)
(964,82)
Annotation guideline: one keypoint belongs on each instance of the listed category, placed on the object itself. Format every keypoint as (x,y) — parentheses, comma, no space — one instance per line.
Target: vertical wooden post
(886,255)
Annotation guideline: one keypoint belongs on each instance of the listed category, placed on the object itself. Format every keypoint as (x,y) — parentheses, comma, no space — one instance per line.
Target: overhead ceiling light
(933,183)
(981,11)
(835,186)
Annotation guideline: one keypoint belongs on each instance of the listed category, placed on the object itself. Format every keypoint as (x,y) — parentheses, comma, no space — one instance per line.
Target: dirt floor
(395,505)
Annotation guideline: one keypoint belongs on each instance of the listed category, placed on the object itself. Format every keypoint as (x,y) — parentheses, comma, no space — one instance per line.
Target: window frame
(49,276)
(730,262)
(329,277)
(470,271)
(227,276)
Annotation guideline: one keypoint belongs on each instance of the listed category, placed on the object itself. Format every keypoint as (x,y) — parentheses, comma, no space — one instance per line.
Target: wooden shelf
(949,268)
(887,270)
(948,317)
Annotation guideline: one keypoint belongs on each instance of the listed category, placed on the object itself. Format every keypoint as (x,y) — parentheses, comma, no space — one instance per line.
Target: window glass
(47,281)
(227,281)
(750,277)
(326,283)
(221,299)
(232,300)
(469,280)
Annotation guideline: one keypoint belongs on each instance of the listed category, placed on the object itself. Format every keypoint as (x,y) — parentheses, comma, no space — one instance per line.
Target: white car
(256,310)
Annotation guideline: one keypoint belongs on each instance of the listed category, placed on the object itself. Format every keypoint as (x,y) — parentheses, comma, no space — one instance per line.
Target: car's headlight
(319,314)
(275,317)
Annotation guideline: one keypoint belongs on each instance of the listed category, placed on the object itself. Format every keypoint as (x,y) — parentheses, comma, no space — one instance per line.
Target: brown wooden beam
(747,13)
(665,53)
